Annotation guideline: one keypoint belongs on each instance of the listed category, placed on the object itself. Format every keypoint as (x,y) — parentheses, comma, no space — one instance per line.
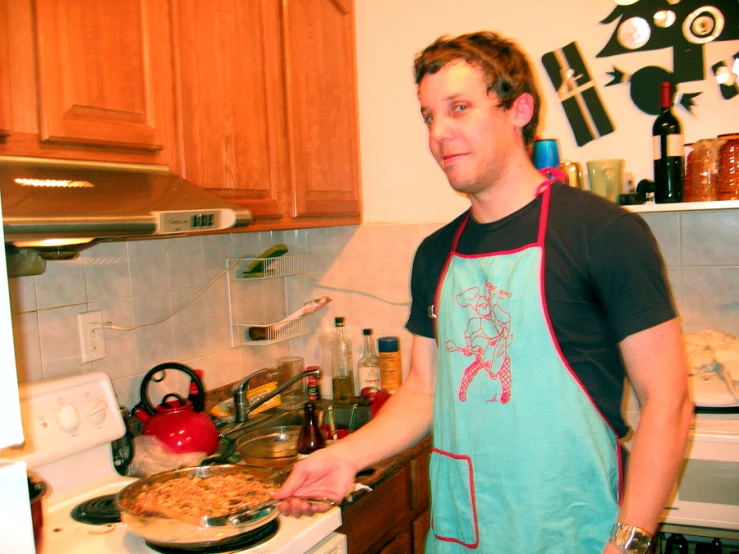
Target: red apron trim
(474,545)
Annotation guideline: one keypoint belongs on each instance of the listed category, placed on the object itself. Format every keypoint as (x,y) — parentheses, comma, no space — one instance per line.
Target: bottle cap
(388,344)
(366,332)
(339,321)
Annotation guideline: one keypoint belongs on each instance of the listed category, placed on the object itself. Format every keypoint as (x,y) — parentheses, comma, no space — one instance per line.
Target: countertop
(385,469)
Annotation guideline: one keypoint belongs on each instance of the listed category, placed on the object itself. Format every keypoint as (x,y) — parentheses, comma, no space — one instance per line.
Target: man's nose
(440,129)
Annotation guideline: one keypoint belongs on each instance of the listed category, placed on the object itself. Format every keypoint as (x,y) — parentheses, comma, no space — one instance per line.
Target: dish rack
(244,287)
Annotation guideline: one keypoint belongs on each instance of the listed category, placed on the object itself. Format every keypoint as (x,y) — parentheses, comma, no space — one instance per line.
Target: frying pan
(173,530)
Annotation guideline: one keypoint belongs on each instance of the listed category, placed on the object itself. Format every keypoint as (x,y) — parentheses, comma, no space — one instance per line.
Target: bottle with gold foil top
(391,373)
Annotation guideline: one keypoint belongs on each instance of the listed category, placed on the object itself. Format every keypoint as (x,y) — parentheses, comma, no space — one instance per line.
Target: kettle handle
(198,403)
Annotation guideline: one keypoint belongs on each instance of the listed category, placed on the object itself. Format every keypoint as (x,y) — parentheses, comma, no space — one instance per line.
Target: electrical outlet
(92,335)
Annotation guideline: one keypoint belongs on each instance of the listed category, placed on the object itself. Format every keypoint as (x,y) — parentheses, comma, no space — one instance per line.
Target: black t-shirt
(604,280)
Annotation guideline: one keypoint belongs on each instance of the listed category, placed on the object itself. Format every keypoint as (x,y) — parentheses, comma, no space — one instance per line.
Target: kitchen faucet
(242,406)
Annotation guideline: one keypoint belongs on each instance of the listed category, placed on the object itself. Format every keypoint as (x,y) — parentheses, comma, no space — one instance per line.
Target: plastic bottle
(391,372)
(311,438)
(343,365)
(368,367)
(325,339)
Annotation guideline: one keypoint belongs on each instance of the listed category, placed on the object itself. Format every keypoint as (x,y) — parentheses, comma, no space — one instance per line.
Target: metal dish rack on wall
(243,285)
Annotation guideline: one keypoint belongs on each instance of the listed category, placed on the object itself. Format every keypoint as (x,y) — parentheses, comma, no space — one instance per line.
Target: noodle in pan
(211,496)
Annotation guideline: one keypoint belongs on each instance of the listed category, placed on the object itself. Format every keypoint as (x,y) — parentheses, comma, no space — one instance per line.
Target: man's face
(469,135)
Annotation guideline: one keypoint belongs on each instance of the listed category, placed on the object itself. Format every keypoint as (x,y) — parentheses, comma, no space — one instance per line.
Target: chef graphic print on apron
(523,461)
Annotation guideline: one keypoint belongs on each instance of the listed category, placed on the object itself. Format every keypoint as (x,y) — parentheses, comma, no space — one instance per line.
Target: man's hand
(323,474)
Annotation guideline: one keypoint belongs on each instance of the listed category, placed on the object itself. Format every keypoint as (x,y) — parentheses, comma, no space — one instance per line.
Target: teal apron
(523,461)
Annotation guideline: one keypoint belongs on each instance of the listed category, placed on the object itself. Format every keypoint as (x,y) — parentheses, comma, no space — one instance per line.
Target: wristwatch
(630,538)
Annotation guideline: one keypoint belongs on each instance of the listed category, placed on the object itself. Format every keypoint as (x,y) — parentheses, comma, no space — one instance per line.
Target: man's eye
(460,107)
(427,119)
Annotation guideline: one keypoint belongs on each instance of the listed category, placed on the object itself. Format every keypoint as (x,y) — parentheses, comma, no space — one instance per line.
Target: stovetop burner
(97,511)
(249,539)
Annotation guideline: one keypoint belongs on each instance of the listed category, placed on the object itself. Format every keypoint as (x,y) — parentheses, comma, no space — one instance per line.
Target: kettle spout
(141,414)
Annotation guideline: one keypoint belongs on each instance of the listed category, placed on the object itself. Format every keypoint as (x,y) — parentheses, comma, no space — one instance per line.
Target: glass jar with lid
(704,170)
(728,167)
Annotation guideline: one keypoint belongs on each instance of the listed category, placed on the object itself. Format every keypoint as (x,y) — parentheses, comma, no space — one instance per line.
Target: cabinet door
(104,72)
(421,527)
(322,107)
(5,114)
(230,90)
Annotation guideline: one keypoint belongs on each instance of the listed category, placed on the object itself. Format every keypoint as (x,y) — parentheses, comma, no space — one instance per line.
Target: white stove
(69,424)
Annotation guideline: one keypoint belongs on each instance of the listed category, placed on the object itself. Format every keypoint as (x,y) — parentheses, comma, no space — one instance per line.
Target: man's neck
(516,188)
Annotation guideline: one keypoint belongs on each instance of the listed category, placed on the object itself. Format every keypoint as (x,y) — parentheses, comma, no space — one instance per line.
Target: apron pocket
(453,510)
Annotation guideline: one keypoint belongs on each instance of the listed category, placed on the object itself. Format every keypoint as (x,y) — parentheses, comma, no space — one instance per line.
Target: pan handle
(256,511)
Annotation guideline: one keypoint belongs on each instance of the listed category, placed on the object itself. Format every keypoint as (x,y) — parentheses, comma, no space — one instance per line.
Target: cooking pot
(178,423)
(37,491)
(171,532)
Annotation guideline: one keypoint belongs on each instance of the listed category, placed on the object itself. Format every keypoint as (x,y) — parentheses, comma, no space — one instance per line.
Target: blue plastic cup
(546,153)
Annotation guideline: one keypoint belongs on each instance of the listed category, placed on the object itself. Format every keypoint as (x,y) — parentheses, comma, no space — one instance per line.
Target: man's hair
(505,67)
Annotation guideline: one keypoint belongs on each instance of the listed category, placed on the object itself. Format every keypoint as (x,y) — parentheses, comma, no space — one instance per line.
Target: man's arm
(403,421)
(655,363)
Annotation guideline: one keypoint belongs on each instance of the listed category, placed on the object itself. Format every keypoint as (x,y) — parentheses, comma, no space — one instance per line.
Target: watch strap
(630,538)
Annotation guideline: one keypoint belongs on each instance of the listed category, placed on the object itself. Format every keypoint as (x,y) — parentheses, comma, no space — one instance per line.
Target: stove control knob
(69,418)
(94,410)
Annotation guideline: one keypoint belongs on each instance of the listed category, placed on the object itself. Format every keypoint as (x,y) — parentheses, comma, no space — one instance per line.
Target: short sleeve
(630,277)
(422,295)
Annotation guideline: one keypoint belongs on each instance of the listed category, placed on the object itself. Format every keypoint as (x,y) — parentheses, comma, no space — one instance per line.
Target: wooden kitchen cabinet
(267,107)
(394,518)
(87,79)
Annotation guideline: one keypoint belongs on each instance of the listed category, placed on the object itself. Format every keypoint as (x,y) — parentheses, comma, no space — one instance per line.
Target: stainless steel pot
(207,531)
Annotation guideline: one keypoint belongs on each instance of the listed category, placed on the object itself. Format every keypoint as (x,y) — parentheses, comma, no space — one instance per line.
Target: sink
(270,438)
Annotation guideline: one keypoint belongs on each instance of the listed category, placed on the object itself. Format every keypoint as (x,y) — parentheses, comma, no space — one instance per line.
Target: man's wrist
(630,538)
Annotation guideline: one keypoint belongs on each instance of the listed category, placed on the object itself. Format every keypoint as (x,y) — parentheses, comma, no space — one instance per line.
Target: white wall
(401,181)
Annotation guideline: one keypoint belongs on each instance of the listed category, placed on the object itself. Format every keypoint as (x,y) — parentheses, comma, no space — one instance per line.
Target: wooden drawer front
(372,516)
(420,480)
(104,72)
(401,544)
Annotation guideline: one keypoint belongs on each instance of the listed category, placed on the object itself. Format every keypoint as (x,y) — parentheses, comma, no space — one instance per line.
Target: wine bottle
(669,151)
(311,438)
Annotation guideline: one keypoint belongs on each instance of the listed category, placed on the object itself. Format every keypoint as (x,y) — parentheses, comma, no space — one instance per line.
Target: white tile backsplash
(364,269)
(106,271)
(62,284)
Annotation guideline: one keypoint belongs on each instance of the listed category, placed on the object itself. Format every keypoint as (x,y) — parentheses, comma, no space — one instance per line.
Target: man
(527,311)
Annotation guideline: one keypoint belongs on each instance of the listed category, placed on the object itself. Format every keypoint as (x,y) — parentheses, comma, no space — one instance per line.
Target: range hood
(53,209)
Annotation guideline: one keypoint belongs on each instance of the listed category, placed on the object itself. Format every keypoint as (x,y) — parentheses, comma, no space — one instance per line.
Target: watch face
(634,33)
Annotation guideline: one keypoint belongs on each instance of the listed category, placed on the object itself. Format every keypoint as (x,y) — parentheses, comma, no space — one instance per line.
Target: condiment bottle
(368,366)
(343,365)
(326,339)
(311,438)
(391,373)
(314,384)
(676,544)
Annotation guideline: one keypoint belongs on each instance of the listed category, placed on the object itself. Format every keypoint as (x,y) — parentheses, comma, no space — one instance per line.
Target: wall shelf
(245,283)
(684,206)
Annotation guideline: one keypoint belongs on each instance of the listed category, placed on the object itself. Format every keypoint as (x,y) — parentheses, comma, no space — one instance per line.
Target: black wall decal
(683,25)
(578,93)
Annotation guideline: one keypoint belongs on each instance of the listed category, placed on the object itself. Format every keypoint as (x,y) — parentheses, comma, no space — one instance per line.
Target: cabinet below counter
(394,517)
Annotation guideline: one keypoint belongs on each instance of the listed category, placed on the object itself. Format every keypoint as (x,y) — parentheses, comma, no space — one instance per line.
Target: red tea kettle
(177,422)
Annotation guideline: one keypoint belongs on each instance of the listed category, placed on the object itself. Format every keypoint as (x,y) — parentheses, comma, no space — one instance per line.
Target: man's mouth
(450,159)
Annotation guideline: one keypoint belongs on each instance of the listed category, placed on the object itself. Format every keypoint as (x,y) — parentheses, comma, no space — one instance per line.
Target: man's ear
(522,110)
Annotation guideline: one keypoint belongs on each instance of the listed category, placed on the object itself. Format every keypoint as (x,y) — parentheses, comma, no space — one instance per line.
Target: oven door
(707,494)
